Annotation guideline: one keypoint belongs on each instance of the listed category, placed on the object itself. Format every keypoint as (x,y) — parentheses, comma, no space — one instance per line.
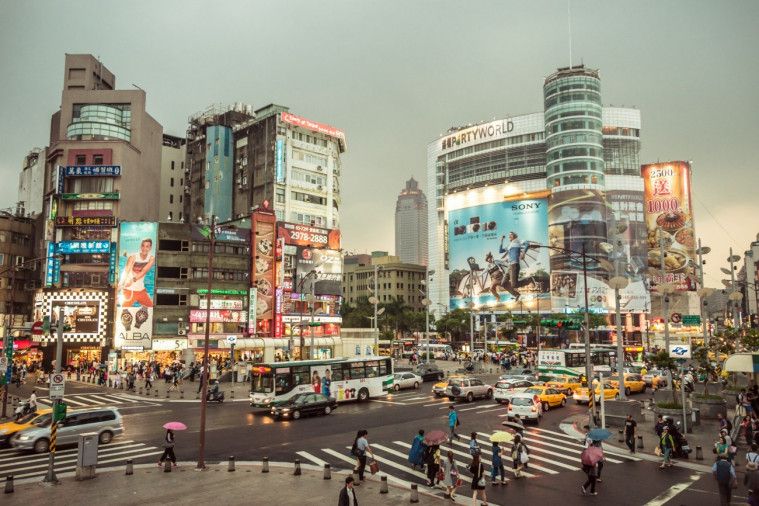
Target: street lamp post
(734,299)
(374,300)
(619,283)
(703,292)
(427,302)
(206,373)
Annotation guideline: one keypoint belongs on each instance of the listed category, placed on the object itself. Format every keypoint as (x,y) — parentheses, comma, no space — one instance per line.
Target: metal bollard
(699,453)
(9,484)
(356,479)
(327,472)
(156,392)
(167,466)
(197,396)
(383,484)
(167,393)
(297,468)
(265,464)
(640,442)
(231,466)
(140,391)
(414,493)
(181,394)
(129,468)
(232,392)
(621,438)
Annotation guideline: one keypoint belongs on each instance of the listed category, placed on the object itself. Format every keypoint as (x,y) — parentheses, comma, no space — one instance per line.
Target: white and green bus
(572,361)
(345,379)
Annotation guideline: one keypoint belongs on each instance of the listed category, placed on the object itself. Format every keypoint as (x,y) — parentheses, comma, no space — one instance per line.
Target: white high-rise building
(411,224)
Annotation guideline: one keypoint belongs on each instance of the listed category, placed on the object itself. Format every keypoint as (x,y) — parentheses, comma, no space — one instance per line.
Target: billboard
(305,235)
(219,175)
(84,313)
(133,322)
(233,235)
(263,269)
(328,266)
(81,316)
(314,127)
(91,170)
(217,316)
(669,223)
(489,255)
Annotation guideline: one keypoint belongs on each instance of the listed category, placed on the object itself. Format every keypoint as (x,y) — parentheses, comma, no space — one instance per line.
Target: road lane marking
(531,465)
(71,468)
(43,457)
(577,445)
(99,397)
(552,461)
(673,491)
(402,467)
(312,458)
(487,410)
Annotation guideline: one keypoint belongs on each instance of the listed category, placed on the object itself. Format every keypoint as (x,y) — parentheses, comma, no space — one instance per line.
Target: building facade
(173,155)
(19,271)
(31,182)
(411,224)
(396,280)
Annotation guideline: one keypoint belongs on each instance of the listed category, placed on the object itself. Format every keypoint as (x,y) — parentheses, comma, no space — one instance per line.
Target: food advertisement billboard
(135,291)
(327,265)
(492,258)
(264,270)
(669,223)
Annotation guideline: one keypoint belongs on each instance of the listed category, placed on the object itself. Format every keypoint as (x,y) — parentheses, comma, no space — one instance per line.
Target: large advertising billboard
(327,267)
(263,270)
(669,223)
(85,313)
(490,256)
(305,235)
(81,317)
(133,321)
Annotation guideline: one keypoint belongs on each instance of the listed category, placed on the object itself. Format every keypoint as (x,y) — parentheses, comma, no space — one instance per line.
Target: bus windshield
(262,382)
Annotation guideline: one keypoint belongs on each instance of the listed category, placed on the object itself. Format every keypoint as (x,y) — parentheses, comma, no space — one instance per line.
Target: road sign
(57,385)
(37,328)
(691,319)
(601,368)
(231,339)
(676,318)
(679,350)
(508,324)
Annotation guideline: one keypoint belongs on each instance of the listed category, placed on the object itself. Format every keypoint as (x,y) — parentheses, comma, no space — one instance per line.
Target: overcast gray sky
(395,74)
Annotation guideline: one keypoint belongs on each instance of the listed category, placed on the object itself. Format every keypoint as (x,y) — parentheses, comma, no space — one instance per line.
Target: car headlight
(3,432)
(285,409)
(267,400)
(23,437)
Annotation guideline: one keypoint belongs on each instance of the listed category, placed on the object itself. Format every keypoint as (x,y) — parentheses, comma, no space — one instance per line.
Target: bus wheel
(363,395)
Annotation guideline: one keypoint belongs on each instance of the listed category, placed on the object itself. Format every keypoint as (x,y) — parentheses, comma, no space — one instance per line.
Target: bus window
(372,369)
(384,367)
(337,373)
(357,370)
(346,371)
(301,375)
(283,383)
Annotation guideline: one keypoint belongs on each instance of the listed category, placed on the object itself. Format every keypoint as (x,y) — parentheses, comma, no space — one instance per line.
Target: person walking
(666,445)
(751,479)
(432,459)
(347,493)
(630,426)
(474,447)
(168,449)
(520,455)
(453,422)
(451,478)
(416,454)
(591,471)
(659,426)
(497,468)
(148,379)
(359,450)
(724,473)
(478,480)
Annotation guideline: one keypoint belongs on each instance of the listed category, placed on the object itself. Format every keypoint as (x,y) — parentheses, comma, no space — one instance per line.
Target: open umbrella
(513,425)
(174,426)
(500,436)
(598,434)
(435,437)
(591,455)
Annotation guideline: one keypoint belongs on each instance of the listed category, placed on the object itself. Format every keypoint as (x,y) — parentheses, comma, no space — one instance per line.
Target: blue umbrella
(599,434)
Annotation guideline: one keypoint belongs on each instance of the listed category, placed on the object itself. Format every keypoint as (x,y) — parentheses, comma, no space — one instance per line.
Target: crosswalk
(81,401)
(419,398)
(26,465)
(551,453)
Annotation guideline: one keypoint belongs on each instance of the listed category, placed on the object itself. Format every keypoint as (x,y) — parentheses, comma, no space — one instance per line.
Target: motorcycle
(22,410)
(215,396)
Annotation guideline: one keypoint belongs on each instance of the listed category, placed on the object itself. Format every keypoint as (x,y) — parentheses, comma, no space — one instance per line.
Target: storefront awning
(743,362)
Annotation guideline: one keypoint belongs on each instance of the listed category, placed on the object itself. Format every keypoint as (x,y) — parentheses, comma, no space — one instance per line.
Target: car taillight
(511,408)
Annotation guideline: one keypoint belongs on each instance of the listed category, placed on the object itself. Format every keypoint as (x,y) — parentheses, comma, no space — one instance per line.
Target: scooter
(22,410)
(215,396)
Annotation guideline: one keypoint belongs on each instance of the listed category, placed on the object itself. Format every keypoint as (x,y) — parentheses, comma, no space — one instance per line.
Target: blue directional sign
(92,170)
(679,350)
(73,247)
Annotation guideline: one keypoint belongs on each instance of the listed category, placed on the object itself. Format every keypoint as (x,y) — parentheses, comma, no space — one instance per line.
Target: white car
(527,406)
(406,380)
(505,389)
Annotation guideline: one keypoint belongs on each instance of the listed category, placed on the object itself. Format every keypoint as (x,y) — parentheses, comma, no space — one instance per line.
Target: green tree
(750,339)
(663,361)
(357,316)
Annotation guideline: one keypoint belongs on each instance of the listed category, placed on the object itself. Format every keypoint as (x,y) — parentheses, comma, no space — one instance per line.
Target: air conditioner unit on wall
(181,332)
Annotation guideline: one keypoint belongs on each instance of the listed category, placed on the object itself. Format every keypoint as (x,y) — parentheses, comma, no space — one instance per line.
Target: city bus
(356,378)
(571,361)
(436,350)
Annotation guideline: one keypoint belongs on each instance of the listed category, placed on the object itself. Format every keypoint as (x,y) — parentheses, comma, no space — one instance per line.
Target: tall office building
(103,166)
(411,224)
(173,154)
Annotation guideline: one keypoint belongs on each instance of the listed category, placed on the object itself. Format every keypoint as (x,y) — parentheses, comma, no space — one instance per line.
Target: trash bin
(87,456)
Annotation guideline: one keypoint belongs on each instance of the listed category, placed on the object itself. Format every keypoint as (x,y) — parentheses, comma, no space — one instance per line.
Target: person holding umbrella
(168,442)
(589,458)
(498,452)
(595,438)
(416,454)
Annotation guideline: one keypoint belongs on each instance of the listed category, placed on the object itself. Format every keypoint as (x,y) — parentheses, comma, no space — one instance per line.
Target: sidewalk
(185,485)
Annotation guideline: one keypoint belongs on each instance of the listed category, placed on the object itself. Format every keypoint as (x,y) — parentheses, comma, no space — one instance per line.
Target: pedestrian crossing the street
(26,465)
(551,453)
(80,401)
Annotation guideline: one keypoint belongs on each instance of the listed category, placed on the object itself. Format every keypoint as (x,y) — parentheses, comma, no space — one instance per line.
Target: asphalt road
(234,428)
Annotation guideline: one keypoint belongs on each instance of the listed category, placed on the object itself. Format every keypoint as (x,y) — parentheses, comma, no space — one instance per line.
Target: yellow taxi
(634,384)
(439,388)
(566,384)
(610,392)
(9,429)
(549,397)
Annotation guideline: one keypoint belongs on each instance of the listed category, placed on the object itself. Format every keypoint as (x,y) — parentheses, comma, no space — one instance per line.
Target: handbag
(524,457)
(374,467)
(459,482)
(440,475)
(657,451)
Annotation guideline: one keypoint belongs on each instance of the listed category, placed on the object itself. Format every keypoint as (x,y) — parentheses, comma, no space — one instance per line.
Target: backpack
(354,450)
(723,471)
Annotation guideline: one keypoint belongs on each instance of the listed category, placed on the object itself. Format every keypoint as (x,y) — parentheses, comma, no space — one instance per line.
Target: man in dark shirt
(347,493)
(660,424)
(630,426)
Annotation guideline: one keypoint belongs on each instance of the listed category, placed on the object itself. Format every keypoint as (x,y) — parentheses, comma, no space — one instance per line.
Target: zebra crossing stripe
(543,459)
(312,458)
(573,442)
(71,468)
(524,473)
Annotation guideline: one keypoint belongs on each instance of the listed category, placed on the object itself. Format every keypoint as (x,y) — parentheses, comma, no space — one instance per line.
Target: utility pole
(50,477)
(9,339)
(204,378)
(588,366)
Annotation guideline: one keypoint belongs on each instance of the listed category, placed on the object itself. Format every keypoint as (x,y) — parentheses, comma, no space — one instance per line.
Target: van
(106,422)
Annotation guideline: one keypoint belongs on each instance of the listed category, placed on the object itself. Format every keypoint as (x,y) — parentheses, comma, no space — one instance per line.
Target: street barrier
(129,467)
(297,468)
(327,472)
(699,453)
(414,493)
(231,465)
(383,484)
(9,484)
(265,465)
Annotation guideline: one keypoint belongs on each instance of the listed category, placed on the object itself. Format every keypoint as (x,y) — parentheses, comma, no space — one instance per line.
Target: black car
(303,404)
(430,372)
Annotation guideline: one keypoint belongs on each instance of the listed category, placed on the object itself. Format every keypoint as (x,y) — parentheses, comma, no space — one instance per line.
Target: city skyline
(414,106)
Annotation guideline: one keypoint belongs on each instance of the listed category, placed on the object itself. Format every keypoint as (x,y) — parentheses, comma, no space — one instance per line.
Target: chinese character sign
(669,222)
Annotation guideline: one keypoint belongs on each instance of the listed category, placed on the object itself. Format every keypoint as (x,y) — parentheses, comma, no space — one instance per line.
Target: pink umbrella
(174,426)
(592,455)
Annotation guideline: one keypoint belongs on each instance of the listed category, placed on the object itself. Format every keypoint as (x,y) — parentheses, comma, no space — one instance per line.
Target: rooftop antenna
(569,25)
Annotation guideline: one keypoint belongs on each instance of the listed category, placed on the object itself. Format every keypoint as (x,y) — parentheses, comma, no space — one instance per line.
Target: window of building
(97,159)
(171,216)
(91,185)
(172,165)
(81,160)
(171,181)
(171,198)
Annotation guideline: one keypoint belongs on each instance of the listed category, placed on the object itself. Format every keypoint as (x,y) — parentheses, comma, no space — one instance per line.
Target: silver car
(406,380)
(468,388)
(106,422)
